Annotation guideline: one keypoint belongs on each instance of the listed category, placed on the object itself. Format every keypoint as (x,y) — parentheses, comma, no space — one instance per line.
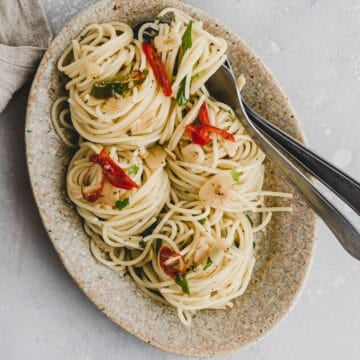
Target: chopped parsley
(120,204)
(133,169)
(203,221)
(183,283)
(208,263)
(235,175)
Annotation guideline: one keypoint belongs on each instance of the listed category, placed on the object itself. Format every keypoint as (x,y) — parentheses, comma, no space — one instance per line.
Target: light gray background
(313,48)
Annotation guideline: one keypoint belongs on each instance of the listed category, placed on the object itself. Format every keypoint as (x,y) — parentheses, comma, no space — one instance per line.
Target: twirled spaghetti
(165,177)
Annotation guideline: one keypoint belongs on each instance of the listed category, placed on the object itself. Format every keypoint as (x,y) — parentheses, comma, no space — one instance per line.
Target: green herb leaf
(159,18)
(133,169)
(182,282)
(250,221)
(180,97)
(203,221)
(186,41)
(208,263)
(254,245)
(120,204)
(108,88)
(102,90)
(235,175)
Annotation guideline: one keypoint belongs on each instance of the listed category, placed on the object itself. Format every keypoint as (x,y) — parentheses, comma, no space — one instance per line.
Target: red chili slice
(171,270)
(157,67)
(113,172)
(94,194)
(205,129)
(200,134)
(204,115)
(196,137)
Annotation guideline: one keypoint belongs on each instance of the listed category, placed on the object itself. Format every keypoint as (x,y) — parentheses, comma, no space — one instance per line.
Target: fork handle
(340,183)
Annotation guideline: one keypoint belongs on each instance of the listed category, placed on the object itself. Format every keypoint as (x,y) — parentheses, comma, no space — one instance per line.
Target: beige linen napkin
(24,36)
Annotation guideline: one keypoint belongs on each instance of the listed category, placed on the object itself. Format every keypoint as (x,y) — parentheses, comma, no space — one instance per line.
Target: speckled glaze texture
(284,252)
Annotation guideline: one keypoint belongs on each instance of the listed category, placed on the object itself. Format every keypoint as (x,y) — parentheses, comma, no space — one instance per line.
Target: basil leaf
(208,263)
(186,41)
(182,282)
(133,169)
(180,97)
(235,175)
(250,221)
(203,221)
(120,204)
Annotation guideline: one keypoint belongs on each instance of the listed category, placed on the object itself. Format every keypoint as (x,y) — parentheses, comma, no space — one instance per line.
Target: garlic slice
(230,147)
(217,252)
(216,191)
(109,195)
(114,104)
(199,250)
(164,43)
(193,154)
(156,157)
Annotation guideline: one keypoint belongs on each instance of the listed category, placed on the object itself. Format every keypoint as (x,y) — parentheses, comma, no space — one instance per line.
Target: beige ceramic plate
(284,254)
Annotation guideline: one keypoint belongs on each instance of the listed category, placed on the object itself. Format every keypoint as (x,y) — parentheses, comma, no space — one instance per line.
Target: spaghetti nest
(165,178)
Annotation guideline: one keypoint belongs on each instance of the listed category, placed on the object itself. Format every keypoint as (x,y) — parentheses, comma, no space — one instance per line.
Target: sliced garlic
(109,195)
(114,104)
(230,147)
(199,250)
(164,43)
(156,157)
(217,251)
(193,154)
(216,191)
(201,253)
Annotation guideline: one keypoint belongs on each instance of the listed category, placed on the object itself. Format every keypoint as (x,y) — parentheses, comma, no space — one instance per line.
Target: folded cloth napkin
(24,36)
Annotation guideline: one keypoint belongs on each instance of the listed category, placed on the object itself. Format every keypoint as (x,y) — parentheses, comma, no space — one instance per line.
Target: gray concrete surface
(313,47)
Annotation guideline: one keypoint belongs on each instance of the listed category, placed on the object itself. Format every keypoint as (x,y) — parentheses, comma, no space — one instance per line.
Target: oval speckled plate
(286,249)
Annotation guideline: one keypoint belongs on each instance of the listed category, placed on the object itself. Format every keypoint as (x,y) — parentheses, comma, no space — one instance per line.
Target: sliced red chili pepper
(157,67)
(205,129)
(196,137)
(200,134)
(113,172)
(171,270)
(204,115)
(92,195)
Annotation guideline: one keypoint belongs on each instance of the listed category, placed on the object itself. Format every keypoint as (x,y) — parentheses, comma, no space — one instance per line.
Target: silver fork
(223,86)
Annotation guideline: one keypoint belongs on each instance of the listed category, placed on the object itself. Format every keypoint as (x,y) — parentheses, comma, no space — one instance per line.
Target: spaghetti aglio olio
(165,176)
